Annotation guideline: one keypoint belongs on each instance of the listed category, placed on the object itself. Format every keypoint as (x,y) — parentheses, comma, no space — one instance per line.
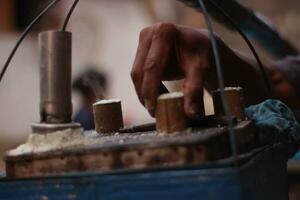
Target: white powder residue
(107,101)
(37,143)
(66,139)
(226,89)
(172,95)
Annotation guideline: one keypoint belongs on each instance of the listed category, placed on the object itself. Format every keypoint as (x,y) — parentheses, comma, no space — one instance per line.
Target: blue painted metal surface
(261,177)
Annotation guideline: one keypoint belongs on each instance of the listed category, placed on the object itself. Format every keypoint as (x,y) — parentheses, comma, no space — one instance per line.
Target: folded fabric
(275,123)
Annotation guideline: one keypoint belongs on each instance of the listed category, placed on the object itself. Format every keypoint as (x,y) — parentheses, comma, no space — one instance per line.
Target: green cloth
(275,123)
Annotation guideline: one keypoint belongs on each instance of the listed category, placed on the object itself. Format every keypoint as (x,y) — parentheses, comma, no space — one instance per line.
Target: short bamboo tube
(108,116)
(170,115)
(235,99)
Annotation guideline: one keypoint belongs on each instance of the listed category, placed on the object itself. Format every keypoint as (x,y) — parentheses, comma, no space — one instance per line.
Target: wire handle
(217,59)
(69,15)
(23,36)
(28,29)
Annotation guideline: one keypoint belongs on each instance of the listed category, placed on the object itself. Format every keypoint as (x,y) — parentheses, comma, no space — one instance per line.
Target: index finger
(162,45)
(137,72)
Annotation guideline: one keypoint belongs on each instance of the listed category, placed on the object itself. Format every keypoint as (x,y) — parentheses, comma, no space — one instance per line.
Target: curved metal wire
(23,36)
(69,15)
(249,44)
(215,49)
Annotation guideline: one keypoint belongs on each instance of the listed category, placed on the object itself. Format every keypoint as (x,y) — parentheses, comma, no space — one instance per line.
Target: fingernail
(193,111)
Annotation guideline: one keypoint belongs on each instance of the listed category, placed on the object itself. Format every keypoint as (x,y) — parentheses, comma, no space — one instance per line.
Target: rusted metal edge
(221,163)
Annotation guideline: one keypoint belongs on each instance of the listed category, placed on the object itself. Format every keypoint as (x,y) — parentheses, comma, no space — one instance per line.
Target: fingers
(193,90)
(166,52)
(156,62)
(137,72)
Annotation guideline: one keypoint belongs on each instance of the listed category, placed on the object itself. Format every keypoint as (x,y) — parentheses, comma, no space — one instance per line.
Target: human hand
(170,52)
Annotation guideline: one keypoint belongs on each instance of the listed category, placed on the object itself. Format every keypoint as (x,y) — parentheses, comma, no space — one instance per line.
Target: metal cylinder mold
(55,76)
(235,101)
(108,116)
(170,115)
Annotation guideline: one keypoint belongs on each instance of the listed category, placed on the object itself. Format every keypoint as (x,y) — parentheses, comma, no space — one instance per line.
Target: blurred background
(105,38)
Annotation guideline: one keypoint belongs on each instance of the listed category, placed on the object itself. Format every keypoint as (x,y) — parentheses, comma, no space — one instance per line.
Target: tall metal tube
(55,76)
